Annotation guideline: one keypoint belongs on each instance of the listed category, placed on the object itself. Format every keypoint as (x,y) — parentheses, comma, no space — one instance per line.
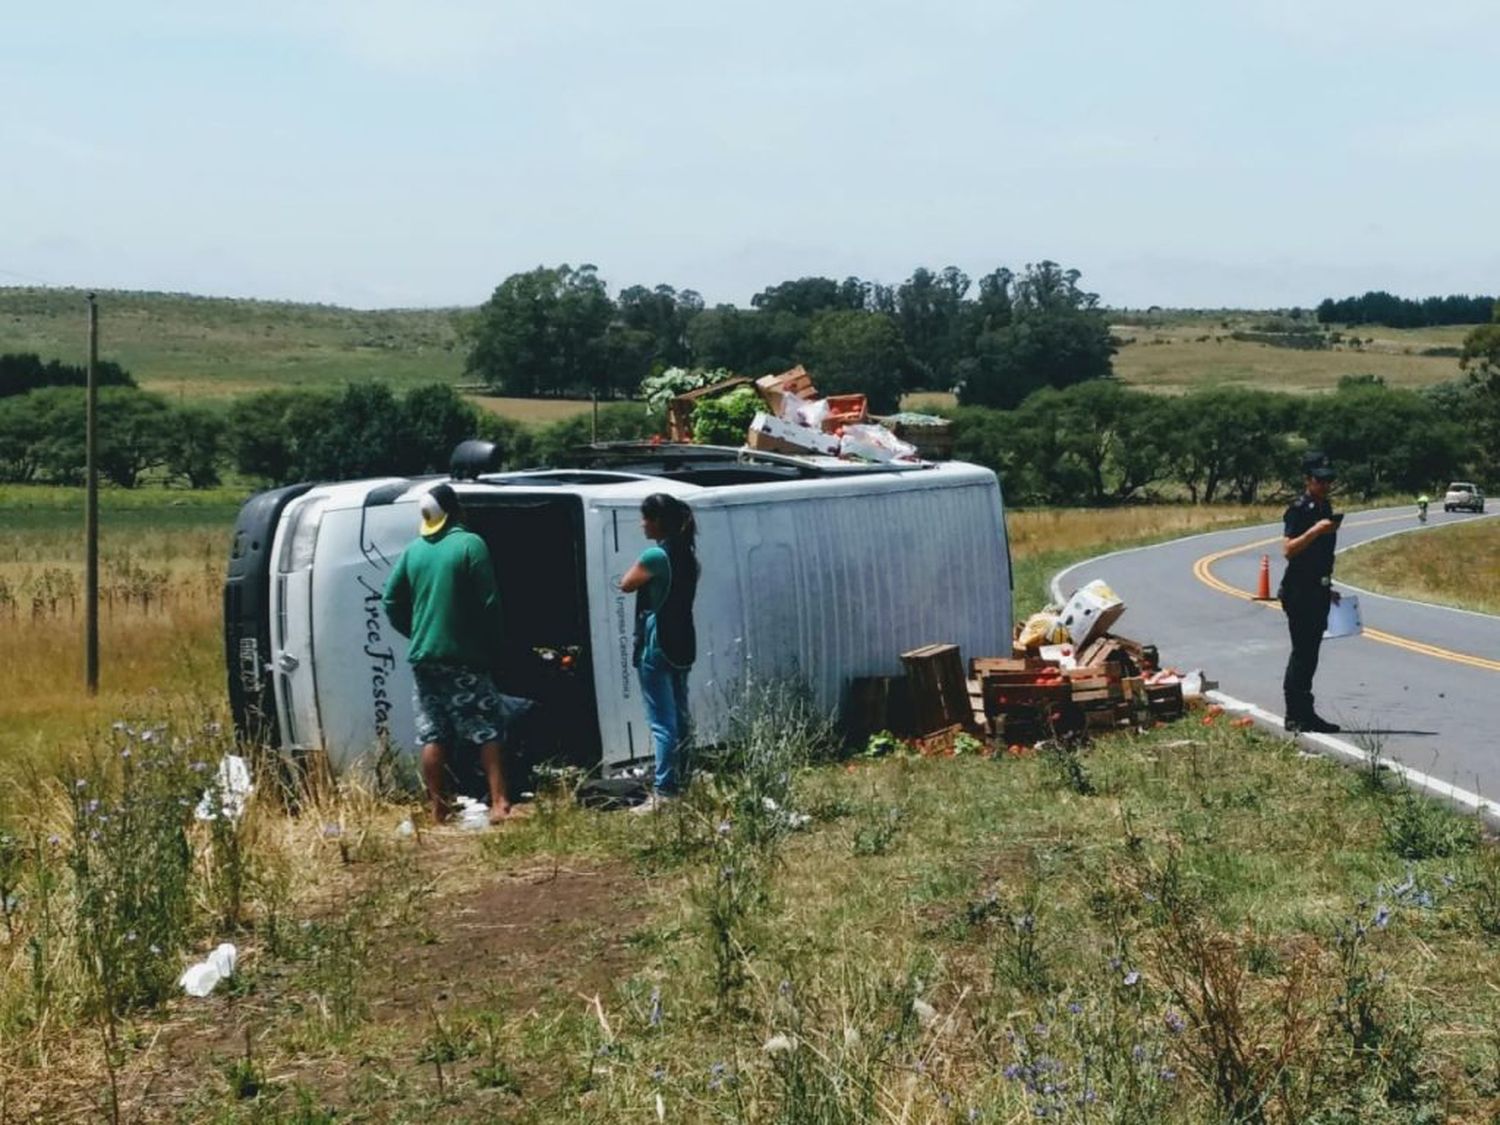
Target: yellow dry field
(1181,358)
(1455,566)
(1040,531)
(532,411)
(160,630)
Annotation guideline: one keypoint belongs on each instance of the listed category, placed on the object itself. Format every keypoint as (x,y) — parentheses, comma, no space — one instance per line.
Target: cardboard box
(1090,611)
(772,435)
(796,383)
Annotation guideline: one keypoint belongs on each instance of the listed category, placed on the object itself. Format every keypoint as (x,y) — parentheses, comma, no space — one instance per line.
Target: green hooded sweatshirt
(442,595)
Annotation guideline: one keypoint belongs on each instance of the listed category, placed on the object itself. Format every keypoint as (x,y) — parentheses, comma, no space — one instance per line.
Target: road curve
(1422,683)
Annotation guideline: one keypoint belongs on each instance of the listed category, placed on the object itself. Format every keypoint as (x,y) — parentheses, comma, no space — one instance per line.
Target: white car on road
(1462,495)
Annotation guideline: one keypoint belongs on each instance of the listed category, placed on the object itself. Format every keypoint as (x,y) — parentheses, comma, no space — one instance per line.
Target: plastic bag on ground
(203,977)
(233,788)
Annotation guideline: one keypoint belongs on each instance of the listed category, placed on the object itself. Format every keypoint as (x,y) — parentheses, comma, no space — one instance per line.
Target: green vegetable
(724,419)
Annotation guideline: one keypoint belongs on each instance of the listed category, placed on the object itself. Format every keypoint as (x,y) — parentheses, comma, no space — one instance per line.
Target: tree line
(1380,307)
(555,331)
(20,373)
(1093,443)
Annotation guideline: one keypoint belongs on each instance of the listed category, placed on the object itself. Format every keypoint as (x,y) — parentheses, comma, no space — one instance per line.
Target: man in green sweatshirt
(441,594)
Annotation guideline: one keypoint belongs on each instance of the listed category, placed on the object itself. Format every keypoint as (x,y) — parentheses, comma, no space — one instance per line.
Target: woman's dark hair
(674,518)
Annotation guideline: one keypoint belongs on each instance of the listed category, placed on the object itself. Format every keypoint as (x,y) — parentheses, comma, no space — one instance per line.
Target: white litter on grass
(796,821)
(925,1012)
(233,788)
(202,978)
(777,1044)
(473,816)
(405,828)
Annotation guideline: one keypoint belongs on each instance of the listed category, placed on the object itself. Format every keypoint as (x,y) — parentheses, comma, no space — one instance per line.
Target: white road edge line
(1336,748)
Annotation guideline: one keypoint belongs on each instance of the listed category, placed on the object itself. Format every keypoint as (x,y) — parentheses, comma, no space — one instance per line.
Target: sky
(380,153)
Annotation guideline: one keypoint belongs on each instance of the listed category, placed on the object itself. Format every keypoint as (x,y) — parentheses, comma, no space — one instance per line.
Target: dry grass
(532,411)
(160,621)
(1180,358)
(1042,530)
(1448,565)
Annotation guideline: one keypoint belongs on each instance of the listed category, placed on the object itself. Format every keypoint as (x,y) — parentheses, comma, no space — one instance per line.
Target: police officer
(1310,531)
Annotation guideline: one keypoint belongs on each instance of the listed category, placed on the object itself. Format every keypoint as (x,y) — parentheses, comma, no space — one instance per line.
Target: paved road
(1423,681)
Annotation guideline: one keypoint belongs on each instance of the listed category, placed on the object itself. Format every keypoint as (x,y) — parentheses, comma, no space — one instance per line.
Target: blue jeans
(665,690)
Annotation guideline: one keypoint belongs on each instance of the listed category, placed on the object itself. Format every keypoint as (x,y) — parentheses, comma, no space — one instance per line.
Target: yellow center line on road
(1202,571)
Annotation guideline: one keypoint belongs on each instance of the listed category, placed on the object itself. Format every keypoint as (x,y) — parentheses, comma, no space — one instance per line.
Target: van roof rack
(683,460)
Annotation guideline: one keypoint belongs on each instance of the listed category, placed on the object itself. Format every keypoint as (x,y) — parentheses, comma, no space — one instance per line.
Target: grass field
(1169,927)
(192,347)
(532,411)
(1453,566)
(1178,357)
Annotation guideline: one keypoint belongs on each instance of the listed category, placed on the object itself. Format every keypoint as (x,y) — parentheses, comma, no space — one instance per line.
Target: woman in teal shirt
(665,581)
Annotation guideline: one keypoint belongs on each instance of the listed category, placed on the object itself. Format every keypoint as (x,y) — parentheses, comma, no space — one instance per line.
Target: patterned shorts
(457,706)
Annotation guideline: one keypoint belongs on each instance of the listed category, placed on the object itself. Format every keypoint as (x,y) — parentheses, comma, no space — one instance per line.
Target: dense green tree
(663,314)
(852,352)
(935,324)
(555,444)
(23,430)
(1379,307)
(1385,440)
(1056,336)
(264,433)
(195,451)
(1227,438)
(542,333)
(751,342)
(432,420)
(26,371)
(808,296)
(1481,363)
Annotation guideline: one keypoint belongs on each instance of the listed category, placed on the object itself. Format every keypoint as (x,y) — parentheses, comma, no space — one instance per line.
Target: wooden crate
(1165,701)
(875,704)
(680,408)
(938,744)
(939,689)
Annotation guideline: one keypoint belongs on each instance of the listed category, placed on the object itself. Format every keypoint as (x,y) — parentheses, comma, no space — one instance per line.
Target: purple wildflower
(1175,1023)
(1382,916)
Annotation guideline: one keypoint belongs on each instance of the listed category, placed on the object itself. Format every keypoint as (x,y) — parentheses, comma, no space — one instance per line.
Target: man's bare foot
(499,812)
(442,811)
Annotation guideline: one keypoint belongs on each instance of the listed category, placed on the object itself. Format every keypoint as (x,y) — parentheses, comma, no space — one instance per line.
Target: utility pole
(91,509)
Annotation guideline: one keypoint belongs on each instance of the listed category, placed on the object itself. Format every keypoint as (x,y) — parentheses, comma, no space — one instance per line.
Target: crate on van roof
(797,383)
(680,408)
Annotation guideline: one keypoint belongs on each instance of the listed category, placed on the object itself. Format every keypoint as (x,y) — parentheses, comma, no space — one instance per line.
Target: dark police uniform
(1305,593)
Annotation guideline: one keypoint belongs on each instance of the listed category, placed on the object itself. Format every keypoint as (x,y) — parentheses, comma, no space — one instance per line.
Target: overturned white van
(818,569)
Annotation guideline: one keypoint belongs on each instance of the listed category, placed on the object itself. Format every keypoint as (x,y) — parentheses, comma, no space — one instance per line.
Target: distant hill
(214,346)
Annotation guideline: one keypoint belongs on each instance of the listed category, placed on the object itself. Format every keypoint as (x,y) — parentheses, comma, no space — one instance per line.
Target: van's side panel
(822,580)
(838,586)
(364,682)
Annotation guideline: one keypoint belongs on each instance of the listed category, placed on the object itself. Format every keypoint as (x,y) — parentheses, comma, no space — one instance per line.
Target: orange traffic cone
(1263,588)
